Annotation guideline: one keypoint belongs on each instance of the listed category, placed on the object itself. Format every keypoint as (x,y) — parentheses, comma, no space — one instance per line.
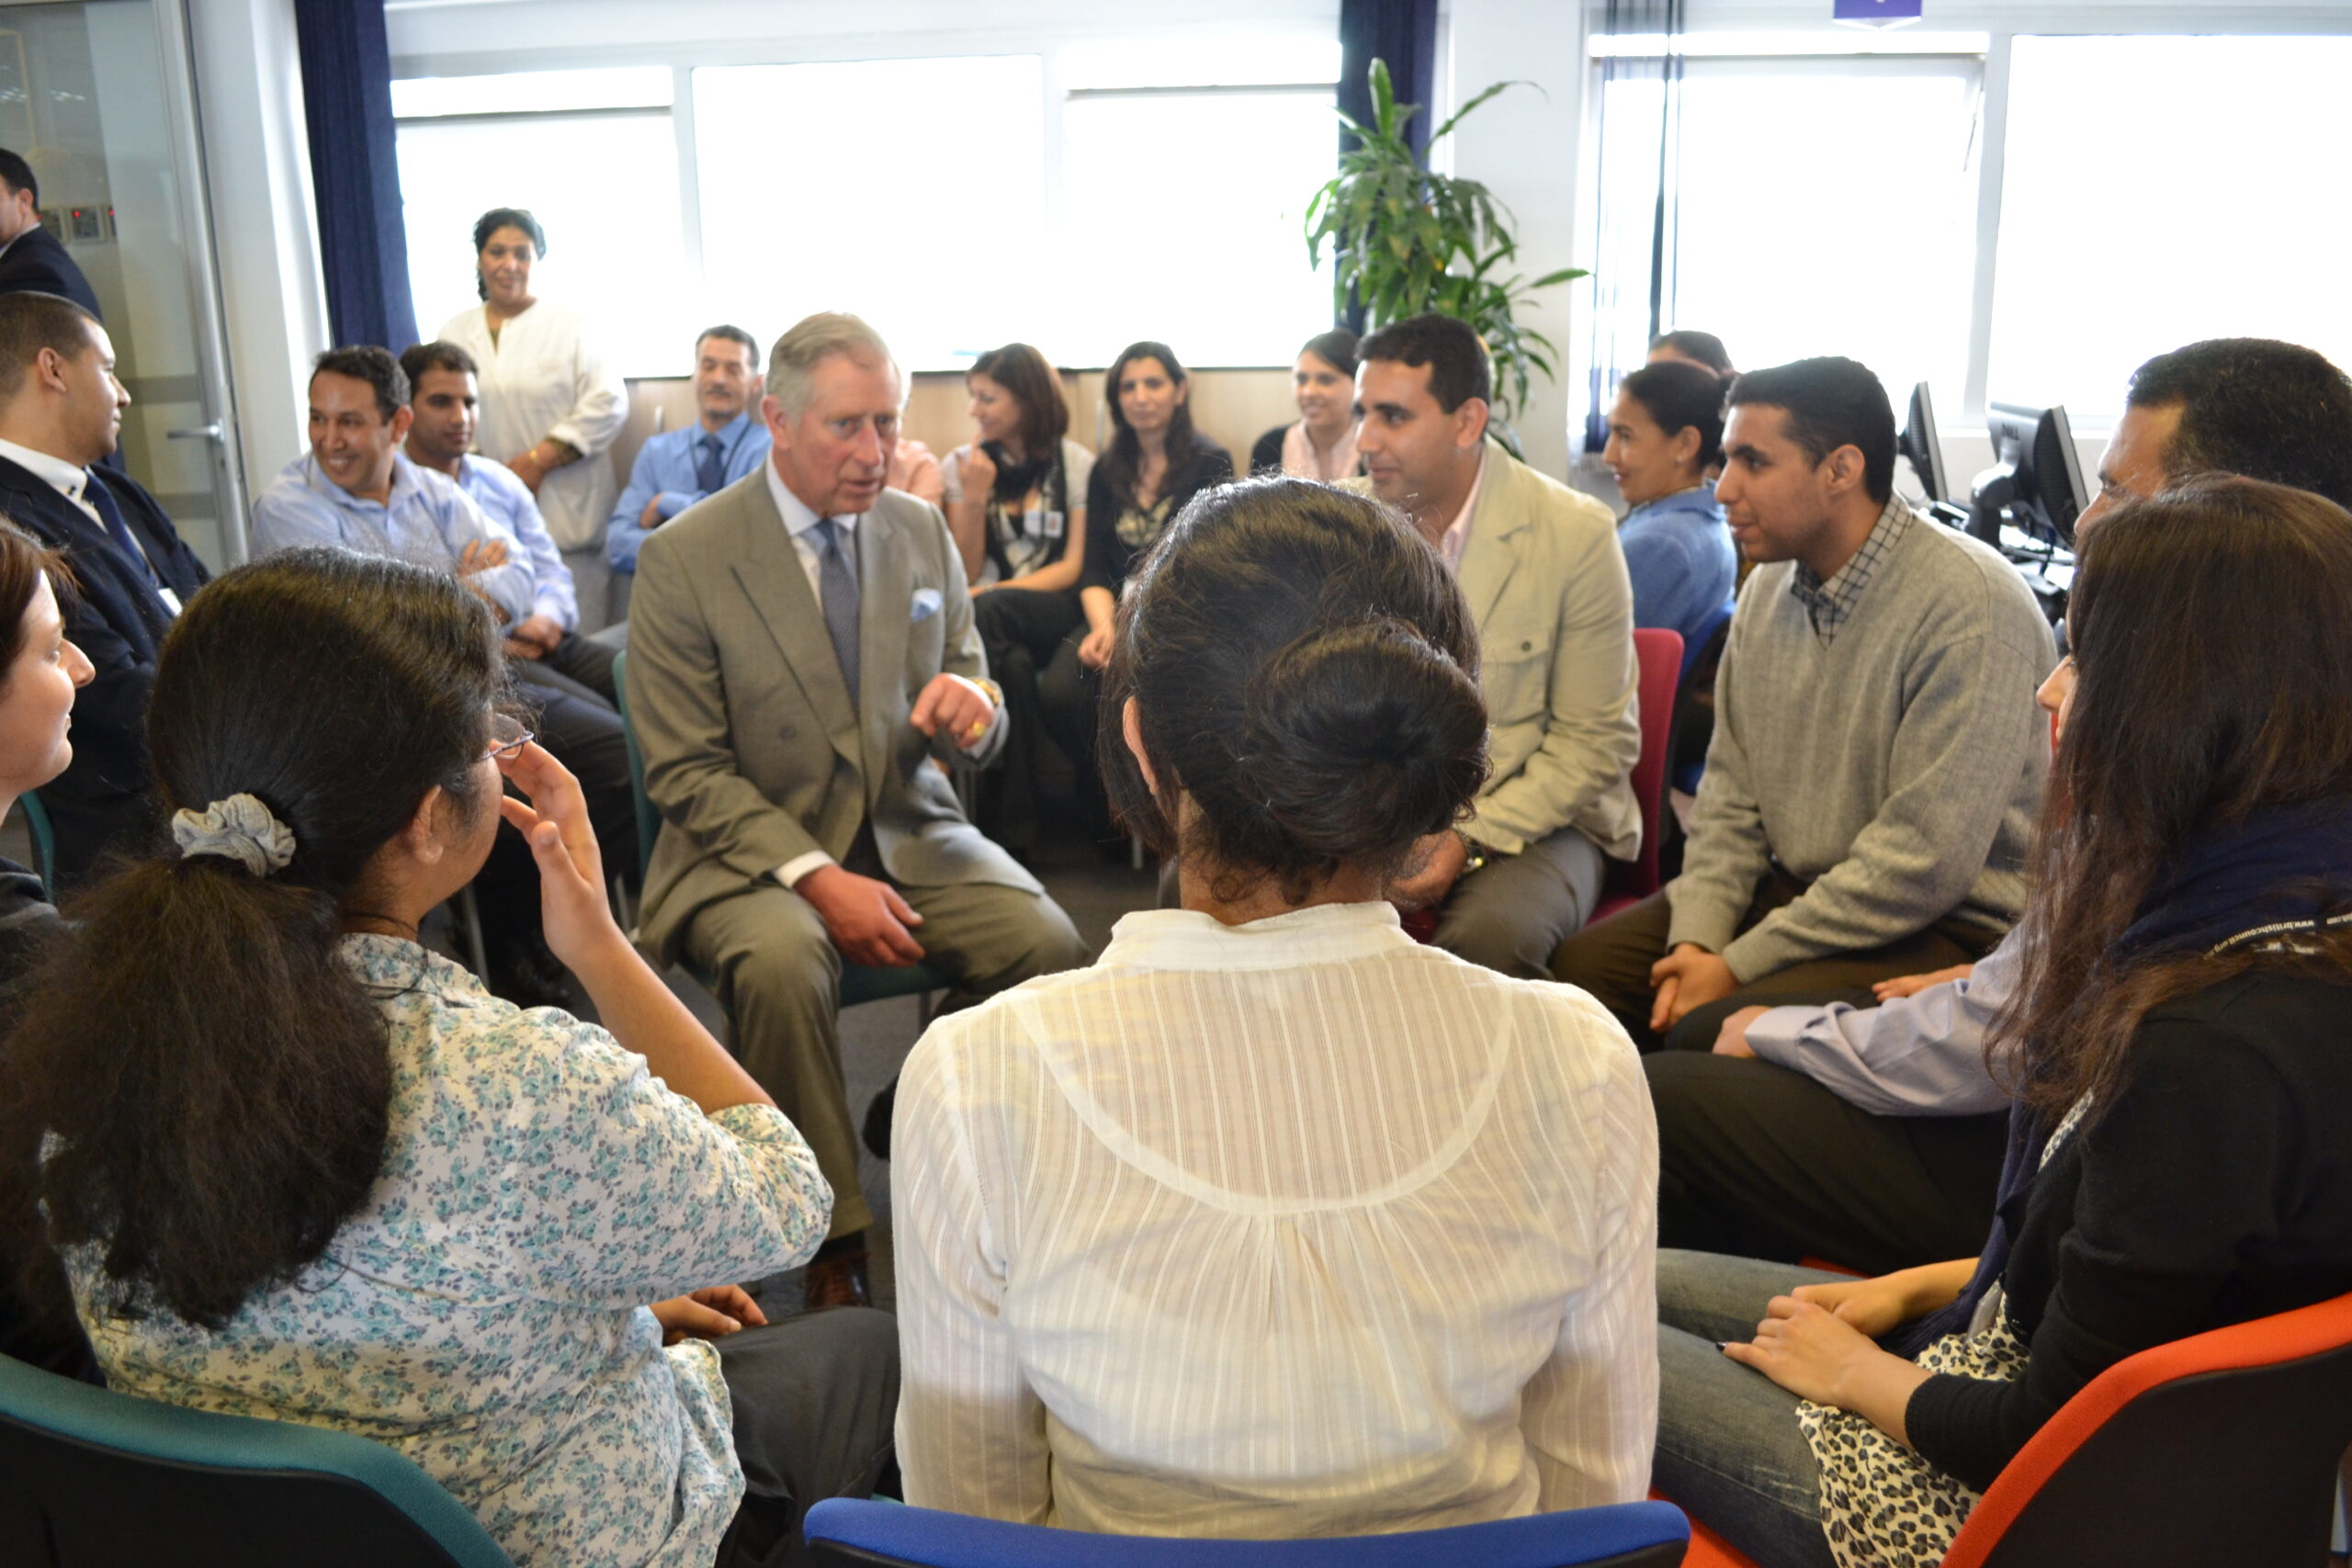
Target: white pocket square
(926,604)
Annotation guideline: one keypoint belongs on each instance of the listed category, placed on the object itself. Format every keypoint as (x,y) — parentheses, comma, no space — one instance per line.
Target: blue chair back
(90,1478)
(1706,638)
(44,837)
(843,1532)
(860,983)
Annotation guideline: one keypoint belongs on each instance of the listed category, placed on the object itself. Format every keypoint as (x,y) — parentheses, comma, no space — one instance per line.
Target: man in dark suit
(30,256)
(61,409)
(800,648)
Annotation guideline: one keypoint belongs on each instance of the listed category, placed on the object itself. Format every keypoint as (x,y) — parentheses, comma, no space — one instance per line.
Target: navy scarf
(2288,866)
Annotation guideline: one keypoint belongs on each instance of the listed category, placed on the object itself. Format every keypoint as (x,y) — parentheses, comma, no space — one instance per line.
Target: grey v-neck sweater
(1897,769)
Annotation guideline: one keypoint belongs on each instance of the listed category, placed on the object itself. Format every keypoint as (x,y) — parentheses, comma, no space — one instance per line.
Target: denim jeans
(1728,1449)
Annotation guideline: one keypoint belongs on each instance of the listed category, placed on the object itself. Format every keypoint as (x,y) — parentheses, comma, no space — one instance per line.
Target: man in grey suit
(1543,571)
(802,650)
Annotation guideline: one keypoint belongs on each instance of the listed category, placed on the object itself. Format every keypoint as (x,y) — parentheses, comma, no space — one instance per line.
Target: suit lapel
(886,589)
(767,564)
(1489,554)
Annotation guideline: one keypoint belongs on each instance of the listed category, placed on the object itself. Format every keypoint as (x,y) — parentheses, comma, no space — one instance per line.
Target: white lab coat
(545,379)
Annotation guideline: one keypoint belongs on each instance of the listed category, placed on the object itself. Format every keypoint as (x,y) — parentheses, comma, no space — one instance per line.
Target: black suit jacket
(119,619)
(38,262)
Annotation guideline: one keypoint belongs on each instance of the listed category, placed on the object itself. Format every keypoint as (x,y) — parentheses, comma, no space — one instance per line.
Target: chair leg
(470,916)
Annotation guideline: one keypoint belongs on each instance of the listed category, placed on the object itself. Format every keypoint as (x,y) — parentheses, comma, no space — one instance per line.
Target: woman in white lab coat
(550,404)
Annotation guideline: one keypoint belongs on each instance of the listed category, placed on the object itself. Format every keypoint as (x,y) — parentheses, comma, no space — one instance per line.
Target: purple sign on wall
(1877,10)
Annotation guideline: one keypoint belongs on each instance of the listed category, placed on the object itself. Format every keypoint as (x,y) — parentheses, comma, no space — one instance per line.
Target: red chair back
(1658,657)
(2220,1448)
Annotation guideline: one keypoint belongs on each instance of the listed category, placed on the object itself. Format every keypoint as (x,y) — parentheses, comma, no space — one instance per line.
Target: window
(914,195)
(603,182)
(2160,190)
(1187,167)
(1076,198)
(1820,207)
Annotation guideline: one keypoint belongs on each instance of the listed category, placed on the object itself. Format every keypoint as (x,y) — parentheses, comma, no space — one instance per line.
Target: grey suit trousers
(779,974)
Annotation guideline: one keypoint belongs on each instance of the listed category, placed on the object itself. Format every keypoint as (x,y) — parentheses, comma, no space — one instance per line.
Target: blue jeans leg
(1729,1450)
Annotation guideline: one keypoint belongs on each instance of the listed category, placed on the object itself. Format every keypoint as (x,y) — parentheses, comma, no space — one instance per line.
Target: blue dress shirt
(507,501)
(426,519)
(666,471)
(1917,1055)
(1680,557)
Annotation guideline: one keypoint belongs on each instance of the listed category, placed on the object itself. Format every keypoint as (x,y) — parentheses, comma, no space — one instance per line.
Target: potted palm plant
(1405,239)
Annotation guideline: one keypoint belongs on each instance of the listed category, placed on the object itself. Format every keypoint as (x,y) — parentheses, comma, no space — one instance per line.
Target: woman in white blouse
(550,404)
(1273,1222)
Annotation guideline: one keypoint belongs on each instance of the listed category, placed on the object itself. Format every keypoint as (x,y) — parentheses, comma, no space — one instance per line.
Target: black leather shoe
(877,1130)
(837,1281)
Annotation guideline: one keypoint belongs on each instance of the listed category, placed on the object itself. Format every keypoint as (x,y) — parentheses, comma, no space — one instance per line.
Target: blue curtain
(1403,33)
(355,171)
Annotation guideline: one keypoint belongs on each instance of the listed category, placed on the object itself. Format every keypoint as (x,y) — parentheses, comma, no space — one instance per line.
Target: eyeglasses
(507,738)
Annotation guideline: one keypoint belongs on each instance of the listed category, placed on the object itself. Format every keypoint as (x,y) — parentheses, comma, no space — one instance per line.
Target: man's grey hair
(812,339)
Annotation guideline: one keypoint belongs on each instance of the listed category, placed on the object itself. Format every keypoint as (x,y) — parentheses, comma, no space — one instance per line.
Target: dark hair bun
(1359,739)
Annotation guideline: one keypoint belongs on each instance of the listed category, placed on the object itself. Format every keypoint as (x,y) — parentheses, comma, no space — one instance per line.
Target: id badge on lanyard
(1039,523)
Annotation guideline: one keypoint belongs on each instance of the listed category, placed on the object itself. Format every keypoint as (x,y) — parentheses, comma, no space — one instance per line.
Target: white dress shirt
(1286,1229)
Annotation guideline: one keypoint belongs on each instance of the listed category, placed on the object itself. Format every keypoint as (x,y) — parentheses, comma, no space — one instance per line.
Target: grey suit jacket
(754,754)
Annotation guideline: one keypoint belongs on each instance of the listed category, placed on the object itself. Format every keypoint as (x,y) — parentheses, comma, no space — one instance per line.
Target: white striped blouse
(1286,1229)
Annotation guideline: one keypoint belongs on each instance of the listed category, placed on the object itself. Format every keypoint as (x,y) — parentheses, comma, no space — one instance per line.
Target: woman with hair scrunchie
(275,1140)
(1274,1223)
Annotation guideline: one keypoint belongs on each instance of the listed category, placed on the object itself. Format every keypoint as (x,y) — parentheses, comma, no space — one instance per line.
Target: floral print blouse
(484,1311)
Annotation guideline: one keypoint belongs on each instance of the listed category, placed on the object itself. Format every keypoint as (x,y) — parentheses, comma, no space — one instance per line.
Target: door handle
(201,433)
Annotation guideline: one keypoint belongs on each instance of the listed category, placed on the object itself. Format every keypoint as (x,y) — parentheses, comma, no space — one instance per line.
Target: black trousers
(1020,631)
(1756,1161)
(586,661)
(814,1398)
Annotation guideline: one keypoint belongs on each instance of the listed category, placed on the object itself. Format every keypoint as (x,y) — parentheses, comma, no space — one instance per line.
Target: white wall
(257,175)
(1523,145)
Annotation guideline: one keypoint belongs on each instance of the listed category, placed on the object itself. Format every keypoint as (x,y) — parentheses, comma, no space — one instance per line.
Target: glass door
(99,99)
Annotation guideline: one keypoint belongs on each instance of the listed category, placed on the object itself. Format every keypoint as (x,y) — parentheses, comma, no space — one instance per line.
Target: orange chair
(2220,1448)
(1658,657)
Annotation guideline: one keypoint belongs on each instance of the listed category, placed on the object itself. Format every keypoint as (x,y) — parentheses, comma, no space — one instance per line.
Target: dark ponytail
(1305,669)
(211,1075)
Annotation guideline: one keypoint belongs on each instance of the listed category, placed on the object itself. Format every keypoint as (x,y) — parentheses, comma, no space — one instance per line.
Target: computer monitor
(2036,483)
(1921,447)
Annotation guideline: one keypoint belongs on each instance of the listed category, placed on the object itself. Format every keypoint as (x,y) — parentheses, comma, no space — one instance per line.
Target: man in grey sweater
(1877,760)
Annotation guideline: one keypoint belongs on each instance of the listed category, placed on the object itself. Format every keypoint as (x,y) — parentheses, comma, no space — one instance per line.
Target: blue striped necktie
(837,587)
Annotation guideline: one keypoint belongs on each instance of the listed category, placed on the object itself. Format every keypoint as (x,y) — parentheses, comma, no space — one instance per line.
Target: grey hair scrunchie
(240,828)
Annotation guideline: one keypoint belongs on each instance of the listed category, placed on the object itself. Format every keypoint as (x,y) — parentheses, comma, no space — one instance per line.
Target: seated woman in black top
(2177,1053)
(1322,445)
(1156,463)
(1016,505)
(39,672)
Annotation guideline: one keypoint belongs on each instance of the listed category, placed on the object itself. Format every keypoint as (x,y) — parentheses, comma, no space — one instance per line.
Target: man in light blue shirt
(678,467)
(445,405)
(352,488)
(356,489)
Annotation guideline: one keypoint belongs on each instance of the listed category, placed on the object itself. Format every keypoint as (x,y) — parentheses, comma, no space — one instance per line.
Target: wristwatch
(1476,851)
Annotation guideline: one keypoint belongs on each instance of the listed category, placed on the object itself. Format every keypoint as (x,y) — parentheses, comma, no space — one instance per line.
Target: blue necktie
(837,587)
(710,473)
(103,502)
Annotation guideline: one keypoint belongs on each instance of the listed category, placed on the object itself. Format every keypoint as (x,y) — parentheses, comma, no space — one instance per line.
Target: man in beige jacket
(1541,567)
